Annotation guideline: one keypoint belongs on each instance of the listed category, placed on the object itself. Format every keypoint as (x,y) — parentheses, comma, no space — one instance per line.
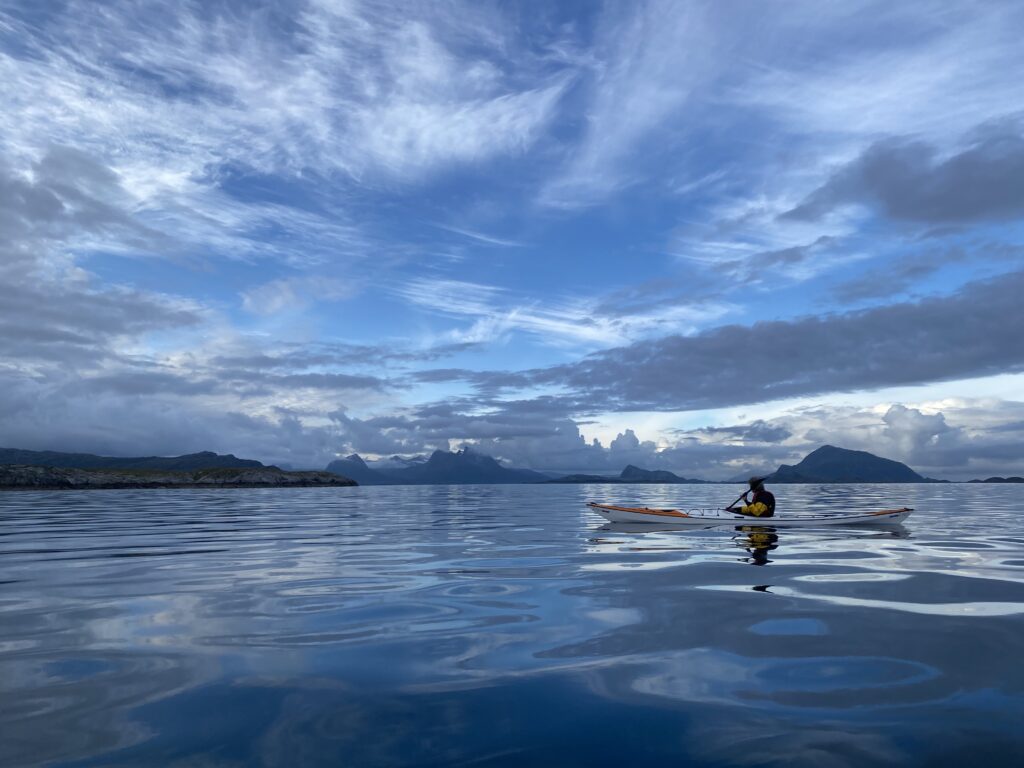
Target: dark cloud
(972,333)
(60,322)
(908,180)
(329,381)
(486,383)
(440,375)
(757,431)
(66,335)
(294,357)
(646,297)
(68,194)
(133,383)
(898,276)
(50,311)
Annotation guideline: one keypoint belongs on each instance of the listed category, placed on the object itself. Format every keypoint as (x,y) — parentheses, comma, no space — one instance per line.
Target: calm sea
(506,625)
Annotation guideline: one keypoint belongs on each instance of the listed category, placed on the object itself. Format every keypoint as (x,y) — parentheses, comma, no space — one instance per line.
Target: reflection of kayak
(618,514)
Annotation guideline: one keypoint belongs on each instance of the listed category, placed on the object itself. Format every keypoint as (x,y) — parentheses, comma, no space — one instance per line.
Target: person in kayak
(761,505)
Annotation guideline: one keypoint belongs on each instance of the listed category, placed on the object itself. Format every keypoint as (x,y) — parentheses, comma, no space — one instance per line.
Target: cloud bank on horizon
(580,235)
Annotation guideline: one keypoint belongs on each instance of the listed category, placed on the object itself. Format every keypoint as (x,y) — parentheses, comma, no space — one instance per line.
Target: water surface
(506,625)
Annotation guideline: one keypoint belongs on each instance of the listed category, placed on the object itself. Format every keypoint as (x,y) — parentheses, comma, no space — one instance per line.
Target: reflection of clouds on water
(291,624)
(84,706)
(765,742)
(702,675)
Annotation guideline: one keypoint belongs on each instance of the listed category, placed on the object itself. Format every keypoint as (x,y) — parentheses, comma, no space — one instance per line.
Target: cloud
(959,439)
(292,157)
(907,180)
(758,431)
(295,293)
(648,59)
(586,321)
(51,310)
(960,66)
(64,197)
(364,87)
(481,237)
(899,275)
(165,421)
(970,333)
(317,354)
(794,261)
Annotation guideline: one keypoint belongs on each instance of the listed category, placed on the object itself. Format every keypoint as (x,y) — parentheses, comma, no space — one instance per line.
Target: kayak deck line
(622,514)
(641,510)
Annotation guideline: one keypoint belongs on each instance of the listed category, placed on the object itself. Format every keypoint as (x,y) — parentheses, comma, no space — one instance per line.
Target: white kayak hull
(618,514)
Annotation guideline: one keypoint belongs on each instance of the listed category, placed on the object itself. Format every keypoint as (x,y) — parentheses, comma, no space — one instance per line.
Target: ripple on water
(220,627)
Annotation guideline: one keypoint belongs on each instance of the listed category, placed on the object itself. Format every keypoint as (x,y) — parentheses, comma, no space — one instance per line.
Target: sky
(701,236)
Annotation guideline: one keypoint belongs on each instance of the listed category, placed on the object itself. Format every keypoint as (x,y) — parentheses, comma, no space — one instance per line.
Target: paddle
(742,495)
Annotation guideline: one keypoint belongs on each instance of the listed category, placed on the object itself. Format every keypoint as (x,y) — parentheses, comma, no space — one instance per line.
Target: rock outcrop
(187,463)
(28,477)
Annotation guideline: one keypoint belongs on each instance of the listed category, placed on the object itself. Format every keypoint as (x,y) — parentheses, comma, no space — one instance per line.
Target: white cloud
(962,67)
(355,93)
(295,293)
(576,321)
(648,61)
(341,92)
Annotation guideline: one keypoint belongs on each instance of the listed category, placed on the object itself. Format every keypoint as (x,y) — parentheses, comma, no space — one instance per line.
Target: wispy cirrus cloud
(959,68)
(175,100)
(357,88)
(647,60)
(589,322)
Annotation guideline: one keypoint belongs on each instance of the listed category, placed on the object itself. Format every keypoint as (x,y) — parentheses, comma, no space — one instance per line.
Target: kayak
(618,514)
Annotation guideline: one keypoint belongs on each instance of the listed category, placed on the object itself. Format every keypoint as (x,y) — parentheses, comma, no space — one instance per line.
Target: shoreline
(23,477)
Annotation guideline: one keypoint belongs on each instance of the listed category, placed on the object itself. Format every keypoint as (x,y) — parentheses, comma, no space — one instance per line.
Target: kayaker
(762,504)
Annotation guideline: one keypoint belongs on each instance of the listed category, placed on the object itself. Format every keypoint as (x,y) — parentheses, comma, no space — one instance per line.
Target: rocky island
(30,477)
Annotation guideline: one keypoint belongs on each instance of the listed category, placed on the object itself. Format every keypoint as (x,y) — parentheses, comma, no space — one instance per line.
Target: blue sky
(709,236)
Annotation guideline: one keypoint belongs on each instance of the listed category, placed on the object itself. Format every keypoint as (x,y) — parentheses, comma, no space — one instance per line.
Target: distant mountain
(584,479)
(829,464)
(633,474)
(354,467)
(1013,479)
(442,468)
(187,463)
(742,477)
(630,474)
(465,466)
(399,462)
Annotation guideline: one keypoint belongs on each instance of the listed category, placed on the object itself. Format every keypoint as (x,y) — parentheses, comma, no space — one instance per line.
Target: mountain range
(443,467)
(827,464)
(187,463)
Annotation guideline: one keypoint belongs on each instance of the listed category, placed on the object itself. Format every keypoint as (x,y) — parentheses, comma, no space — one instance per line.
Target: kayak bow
(617,514)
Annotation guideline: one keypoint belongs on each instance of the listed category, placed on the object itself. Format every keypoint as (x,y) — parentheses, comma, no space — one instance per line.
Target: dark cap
(756,481)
